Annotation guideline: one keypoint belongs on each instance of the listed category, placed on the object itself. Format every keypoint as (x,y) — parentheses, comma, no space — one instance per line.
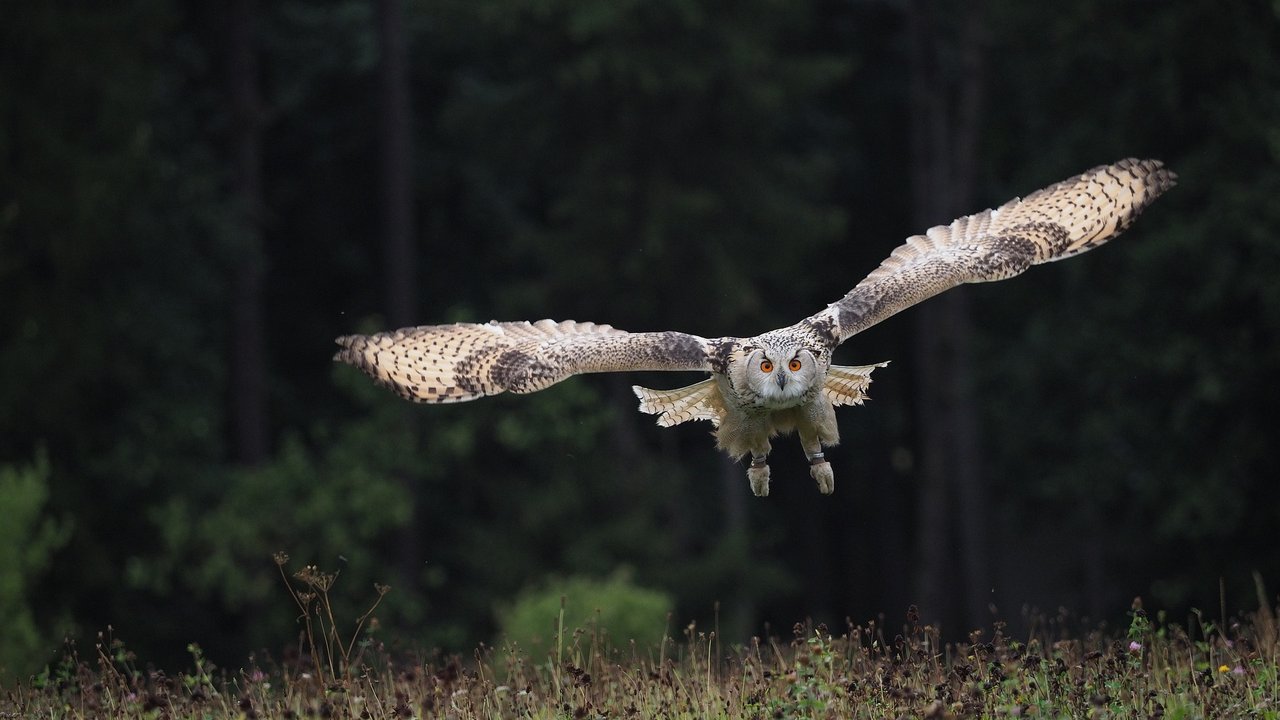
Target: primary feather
(1060,221)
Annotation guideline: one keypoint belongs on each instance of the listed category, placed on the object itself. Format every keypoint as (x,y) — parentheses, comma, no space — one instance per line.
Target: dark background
(196,198)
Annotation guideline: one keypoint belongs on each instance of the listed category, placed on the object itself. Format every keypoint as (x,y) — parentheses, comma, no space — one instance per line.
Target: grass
(1153,670)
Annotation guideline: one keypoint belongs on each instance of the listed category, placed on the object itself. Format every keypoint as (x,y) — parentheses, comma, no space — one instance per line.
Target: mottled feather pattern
(780,381)
(465,361)
(1061,220)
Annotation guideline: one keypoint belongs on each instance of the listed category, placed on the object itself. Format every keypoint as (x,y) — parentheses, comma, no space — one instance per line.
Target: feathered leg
(758,475)
(819,429)
(741,436)
(819,468)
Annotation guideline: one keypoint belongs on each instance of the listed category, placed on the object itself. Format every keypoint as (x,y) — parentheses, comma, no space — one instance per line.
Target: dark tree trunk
(248,336)
(954,567)
(396,124)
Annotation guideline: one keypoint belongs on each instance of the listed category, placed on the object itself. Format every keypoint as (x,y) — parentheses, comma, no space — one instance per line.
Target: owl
(784,380)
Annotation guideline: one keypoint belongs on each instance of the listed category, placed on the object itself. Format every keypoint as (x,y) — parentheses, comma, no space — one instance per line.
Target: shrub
(28,539)
(615,609)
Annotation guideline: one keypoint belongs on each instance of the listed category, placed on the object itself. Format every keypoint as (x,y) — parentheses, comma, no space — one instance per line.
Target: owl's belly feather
(746,426)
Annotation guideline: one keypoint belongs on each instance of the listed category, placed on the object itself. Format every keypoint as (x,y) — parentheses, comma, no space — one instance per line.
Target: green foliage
(1124,389)
(28,540)
(315,503)
(340,498)
(712,167)
(813,689)
(615,610)
(109,250)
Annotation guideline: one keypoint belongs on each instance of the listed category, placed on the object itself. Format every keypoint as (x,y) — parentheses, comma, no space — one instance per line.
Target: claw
(826,479)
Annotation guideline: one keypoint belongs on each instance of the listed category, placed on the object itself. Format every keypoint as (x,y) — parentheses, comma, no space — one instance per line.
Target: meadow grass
(1152,669)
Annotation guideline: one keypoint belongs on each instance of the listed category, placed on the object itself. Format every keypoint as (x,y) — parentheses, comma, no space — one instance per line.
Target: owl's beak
(781,380)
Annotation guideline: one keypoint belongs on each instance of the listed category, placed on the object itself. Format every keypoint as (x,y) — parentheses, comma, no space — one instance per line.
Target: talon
(820,471)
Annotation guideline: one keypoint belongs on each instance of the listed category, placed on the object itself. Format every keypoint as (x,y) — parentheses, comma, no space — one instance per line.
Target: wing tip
(347,353)
(1151,171)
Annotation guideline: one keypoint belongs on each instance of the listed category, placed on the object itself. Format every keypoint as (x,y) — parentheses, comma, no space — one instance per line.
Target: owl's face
(780,376)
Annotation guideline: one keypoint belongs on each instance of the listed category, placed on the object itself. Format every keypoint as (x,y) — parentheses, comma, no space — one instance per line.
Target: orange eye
(766,366)
(794,365)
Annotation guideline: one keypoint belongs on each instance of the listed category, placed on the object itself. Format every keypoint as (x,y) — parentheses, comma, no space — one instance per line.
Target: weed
(334,653)
(1154,669)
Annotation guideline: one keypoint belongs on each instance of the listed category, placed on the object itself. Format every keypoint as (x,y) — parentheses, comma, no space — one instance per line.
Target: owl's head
(780,375)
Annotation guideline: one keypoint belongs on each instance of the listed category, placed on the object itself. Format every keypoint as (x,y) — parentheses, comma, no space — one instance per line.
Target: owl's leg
(740,436)
(819,468)
(758,475)
(758,471)
(820,471)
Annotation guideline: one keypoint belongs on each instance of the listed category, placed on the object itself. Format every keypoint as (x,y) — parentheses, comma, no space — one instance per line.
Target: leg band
(817,458)
(759,461)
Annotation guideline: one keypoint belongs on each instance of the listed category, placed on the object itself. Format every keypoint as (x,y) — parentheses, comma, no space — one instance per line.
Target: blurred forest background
(196,198)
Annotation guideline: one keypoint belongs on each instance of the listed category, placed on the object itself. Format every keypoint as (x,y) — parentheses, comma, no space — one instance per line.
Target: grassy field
(1151,669)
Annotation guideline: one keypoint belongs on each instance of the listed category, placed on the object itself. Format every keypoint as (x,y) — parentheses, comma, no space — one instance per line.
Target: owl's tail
(700,401)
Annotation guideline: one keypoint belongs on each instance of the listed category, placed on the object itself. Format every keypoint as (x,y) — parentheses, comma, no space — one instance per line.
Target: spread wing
(1057,222)
(465,361)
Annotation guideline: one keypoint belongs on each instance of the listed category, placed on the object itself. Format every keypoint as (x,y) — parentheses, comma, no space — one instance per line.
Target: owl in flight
(782,380)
